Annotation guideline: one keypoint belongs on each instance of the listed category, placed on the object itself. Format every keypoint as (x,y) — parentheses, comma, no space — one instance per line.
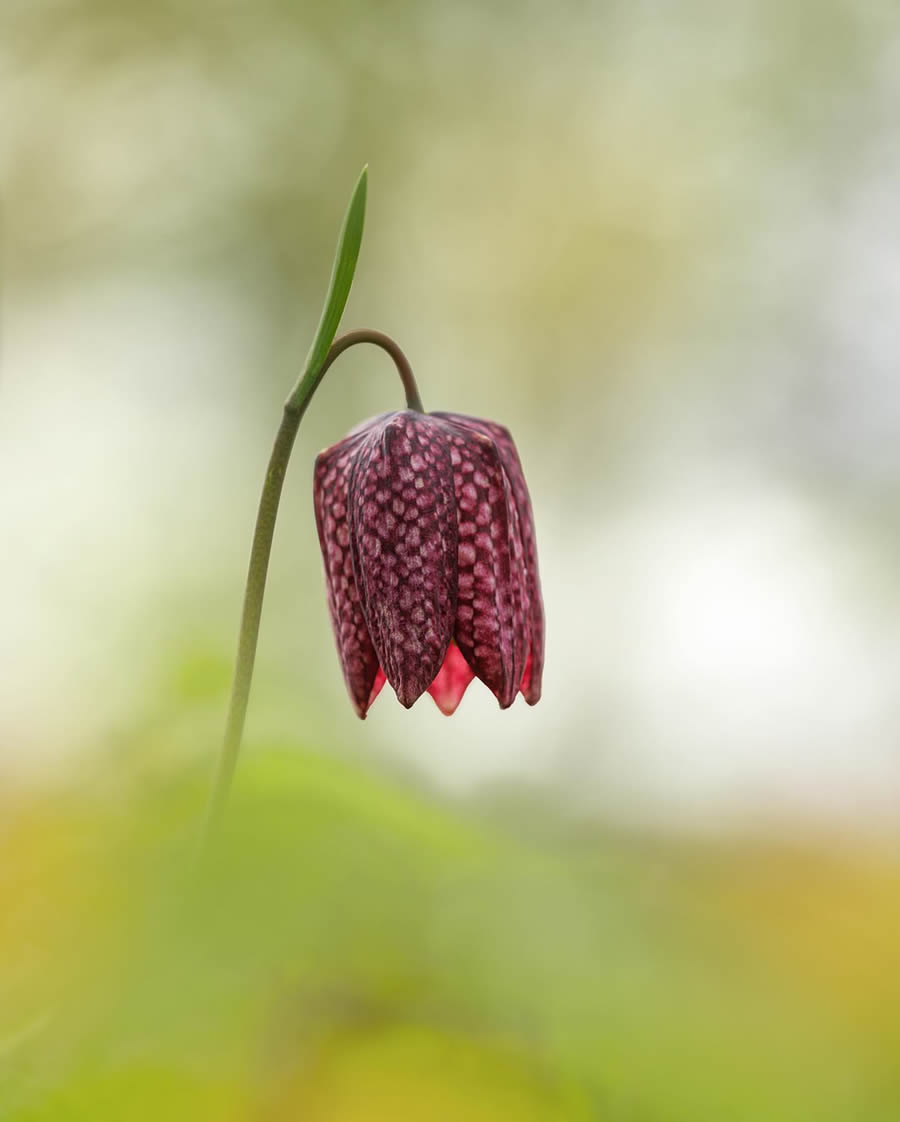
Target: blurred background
(659,242)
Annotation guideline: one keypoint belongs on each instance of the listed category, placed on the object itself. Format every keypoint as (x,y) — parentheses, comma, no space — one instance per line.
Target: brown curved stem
(301,395)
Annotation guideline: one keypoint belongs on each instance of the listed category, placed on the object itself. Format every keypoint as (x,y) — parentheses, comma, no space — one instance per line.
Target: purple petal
(531,682)
(357,654)
(491,617)
(403,534)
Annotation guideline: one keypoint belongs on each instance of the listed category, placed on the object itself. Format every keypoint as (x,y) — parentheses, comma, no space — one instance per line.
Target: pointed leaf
(342,272)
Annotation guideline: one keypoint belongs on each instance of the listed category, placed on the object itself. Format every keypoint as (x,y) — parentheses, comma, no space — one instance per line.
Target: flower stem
(294,408)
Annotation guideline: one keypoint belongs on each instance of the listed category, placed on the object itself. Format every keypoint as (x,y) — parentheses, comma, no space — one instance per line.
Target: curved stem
(294,408)
(306,387)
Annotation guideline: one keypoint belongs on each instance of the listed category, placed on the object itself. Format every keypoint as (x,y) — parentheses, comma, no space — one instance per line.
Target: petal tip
(448,708)
(408,696)
(451,682)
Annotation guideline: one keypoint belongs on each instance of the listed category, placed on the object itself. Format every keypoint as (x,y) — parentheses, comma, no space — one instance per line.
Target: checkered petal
(404,541)
(330,500)
(533,672)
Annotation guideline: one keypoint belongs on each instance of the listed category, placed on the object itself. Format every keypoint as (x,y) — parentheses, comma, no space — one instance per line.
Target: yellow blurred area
(357,950)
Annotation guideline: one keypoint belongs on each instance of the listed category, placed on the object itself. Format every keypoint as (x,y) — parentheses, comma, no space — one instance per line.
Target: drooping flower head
(428,541)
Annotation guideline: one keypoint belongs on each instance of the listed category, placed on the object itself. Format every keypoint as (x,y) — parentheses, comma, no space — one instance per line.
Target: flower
(427,536)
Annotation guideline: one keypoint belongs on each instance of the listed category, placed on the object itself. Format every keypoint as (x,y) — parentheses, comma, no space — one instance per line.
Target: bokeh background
(659,242)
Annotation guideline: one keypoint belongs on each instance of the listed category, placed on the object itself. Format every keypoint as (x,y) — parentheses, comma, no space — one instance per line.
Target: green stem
(294,408)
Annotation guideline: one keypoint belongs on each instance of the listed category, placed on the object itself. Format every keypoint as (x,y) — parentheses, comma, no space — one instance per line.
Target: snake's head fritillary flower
(430,559)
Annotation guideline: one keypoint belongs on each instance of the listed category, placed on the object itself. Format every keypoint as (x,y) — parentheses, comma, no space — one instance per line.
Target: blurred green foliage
(355,950)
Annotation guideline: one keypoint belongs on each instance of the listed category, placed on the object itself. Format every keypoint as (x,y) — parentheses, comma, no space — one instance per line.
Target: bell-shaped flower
(430,559)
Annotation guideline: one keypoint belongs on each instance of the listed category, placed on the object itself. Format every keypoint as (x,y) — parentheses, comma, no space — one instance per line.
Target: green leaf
(338,289)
